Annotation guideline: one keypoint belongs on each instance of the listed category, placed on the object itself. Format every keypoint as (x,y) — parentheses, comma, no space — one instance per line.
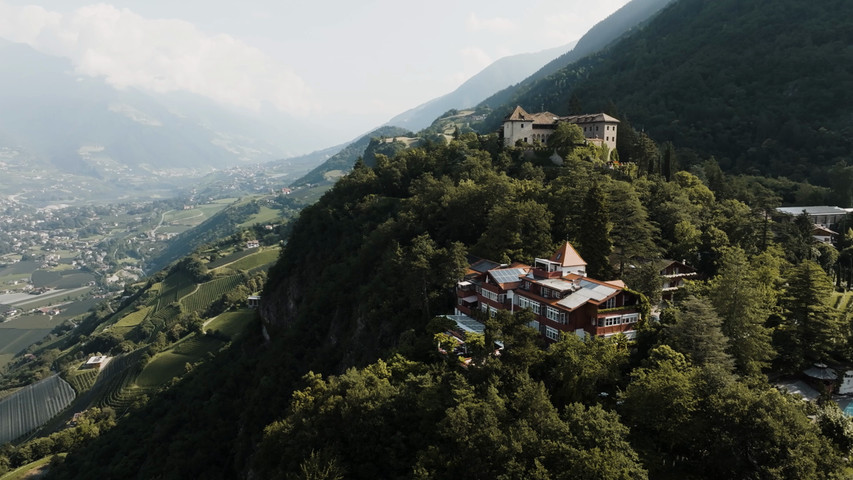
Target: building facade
(559,294)
(598,128)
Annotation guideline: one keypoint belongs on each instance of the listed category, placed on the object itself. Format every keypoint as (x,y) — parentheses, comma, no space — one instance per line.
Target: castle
(598,128)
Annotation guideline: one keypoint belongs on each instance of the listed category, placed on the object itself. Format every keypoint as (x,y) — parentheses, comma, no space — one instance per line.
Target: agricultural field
(134,318)
(32,406)
(257,259)
(175,286)
(231,323)
(231,257)
(21,332)
(266,215)
(31,470)
(209,292)
(61,278)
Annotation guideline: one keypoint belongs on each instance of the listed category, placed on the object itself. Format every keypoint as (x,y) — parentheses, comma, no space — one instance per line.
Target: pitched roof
(567,256)
(518,114)
(589,118)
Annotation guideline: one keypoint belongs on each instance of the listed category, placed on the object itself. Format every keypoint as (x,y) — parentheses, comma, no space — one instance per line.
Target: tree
(579,370)
(743,300)
(697,333)
(809,331)
(594,242)
(565,136)
(632,232)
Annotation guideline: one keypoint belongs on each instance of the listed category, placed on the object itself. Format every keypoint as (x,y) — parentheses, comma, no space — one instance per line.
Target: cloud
(494,25)
(160,55)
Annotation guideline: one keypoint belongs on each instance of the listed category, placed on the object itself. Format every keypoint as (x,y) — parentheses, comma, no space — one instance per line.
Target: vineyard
(33,406)
(254,261)
(175,286)
(209,292)
(134,318)
(233,257)
(83,380)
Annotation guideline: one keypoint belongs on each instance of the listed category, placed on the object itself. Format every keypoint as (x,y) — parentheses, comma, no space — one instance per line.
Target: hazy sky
(359,62)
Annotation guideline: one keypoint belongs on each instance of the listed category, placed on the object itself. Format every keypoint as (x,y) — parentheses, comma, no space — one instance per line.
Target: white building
(598,128)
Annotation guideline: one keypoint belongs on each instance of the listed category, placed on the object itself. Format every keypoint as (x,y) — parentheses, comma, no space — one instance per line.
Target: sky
(355,63)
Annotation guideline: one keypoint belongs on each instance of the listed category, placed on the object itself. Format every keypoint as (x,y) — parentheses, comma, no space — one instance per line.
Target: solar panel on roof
(507,275)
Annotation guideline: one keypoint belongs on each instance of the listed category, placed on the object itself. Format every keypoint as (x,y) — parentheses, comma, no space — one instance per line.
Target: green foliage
(810,330)
(437,424)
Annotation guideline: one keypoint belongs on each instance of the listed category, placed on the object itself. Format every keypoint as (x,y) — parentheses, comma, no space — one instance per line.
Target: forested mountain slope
(763,86)
(367,268)
(620,23)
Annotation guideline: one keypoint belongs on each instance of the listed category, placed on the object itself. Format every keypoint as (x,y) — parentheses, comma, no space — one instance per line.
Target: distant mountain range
(80,125)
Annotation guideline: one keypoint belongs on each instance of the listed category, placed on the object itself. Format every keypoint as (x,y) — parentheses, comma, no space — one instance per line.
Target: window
(610,303)
(555,315)
(552,333)
(522,125)
(525,302)
(490,295)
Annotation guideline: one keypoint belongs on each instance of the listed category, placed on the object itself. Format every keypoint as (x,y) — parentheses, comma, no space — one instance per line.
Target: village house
(674,275)
(598,128)
(556,290)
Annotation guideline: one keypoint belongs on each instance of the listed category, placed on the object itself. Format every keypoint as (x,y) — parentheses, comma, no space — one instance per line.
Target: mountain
(618,24)
(505,71)
(80,125)
(763,87)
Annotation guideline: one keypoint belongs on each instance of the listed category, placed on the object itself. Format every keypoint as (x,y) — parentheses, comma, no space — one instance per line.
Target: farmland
(252,261)
(209,292)
(32,406)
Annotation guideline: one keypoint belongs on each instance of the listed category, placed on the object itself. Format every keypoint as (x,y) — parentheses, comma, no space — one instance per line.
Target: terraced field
(82,380)
(33,406)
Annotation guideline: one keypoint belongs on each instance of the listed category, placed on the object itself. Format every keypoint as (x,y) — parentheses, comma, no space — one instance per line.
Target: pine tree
(594,243)
(810,324)
(740,298)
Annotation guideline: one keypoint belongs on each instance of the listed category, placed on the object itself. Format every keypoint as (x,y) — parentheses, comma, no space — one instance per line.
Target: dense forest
(352,386)
(763,86)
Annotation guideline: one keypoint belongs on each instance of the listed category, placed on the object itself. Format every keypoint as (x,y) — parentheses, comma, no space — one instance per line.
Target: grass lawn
(172,363)
(134,318)
(231,323)
(266,215)
(30,470)
(257,259)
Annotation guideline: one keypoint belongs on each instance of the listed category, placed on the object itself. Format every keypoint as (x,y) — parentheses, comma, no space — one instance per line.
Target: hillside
(342,162)
(622,22)
(762,87)
(350,309)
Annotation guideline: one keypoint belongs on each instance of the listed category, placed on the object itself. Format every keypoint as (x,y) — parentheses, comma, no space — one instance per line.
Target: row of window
(525,302)
(618,320)
(495,297)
